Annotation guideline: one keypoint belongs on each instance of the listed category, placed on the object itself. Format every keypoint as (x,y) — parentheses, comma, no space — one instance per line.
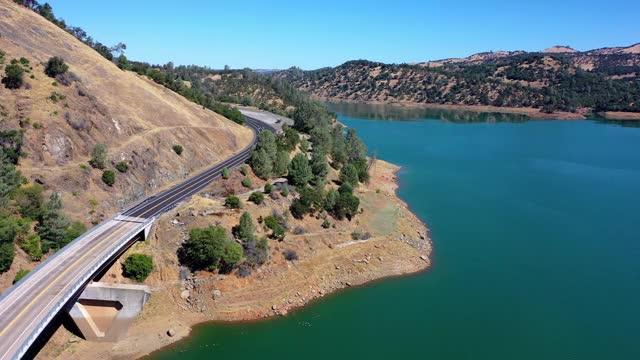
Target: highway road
(28,307)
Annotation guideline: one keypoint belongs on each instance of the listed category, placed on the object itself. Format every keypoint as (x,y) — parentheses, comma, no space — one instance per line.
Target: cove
(536,248)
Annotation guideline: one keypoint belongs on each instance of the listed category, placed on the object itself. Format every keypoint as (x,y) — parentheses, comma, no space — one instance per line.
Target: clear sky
(310,34)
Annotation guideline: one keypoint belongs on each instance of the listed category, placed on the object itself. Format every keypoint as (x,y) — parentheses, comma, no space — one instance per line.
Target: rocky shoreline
(330,260)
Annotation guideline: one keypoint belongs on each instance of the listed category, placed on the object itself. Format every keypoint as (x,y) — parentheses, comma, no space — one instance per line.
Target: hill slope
(598,80)
(95,102)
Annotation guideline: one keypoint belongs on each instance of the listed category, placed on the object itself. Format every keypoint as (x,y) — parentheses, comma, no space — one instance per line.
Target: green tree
(30,199)
(256,197)
(289,139)
(7,252)
(14,76)
(319,166)
(261,164)
(73,231)
(356,150)
(99,156)
(53,227)
(10,178)
(268,188)
(299,170)
(267,142)
(33,247)
(109,177)
(55,66)
(204,248)
(232,202)
(304,145)
(122,166)
(245,229)
(231,254)
(137,267)
(349,175)
(281,163)
(178,149)
(123,62)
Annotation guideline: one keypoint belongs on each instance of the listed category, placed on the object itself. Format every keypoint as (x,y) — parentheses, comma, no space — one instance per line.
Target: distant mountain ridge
(559,78)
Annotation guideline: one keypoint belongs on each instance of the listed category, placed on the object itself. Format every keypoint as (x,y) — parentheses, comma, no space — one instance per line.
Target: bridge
(63,283)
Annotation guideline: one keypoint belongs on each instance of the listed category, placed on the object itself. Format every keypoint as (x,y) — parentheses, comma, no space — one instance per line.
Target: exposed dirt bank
(329,260)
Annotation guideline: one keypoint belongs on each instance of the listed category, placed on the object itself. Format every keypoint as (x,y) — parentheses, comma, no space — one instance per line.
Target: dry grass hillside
(138,120)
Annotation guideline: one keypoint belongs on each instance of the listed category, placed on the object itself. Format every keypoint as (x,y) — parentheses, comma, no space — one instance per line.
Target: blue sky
(313,34)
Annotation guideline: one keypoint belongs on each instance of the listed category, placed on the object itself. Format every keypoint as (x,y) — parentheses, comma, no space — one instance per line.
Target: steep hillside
(62,119)
(601,80)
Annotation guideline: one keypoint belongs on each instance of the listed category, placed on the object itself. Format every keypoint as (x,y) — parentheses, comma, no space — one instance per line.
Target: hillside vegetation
(98,137)
(598,80)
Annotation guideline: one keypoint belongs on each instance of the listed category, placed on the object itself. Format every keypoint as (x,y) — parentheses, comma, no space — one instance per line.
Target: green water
(537,252)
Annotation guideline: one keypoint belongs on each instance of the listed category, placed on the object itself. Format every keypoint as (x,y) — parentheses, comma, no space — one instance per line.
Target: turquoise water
(537,252)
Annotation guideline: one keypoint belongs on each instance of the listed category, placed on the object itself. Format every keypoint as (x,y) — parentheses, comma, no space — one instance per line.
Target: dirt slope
(138,120)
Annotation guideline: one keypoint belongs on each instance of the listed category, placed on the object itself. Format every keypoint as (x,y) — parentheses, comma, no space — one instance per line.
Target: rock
(207,212)
(283,312)
(171,332)
(39,180)
(185,294)
(347,283)
(192,213)
(274,307)
(74,339)
(424,258)
(217,294)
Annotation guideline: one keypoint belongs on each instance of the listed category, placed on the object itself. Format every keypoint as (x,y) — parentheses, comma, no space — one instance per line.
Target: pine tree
(299,170)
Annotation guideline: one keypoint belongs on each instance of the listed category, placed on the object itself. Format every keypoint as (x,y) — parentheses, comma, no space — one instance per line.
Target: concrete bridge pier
(104,312)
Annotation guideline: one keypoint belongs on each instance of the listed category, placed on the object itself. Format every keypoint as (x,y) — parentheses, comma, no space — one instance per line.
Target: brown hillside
(559,50)
(138,120)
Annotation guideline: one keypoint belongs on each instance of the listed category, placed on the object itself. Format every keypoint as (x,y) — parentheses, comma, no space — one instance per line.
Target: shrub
(37,125)
(231,254)
(20,274)
(246,182)
(256,197)
(98,156)
(178,149)
(84,167)
(290,255)
(268,188)
(232,202)
(109,177)
(349,175)
(299,208)
(284,192)
(299,230)
(33,247)
(244,170)
(256,251)
(122,166)
(326,224)
(244,270)
(55,66)
(272,222)
(7,252)
(225,173)
(137,267)
(13,76)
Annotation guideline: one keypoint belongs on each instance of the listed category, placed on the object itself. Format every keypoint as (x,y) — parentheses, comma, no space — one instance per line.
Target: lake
(536,248)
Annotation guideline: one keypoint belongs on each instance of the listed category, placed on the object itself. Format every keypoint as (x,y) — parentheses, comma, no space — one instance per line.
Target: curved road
(30,305)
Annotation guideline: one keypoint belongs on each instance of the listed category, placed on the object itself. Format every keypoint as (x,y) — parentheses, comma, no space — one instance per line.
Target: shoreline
(330,262)
(533,113)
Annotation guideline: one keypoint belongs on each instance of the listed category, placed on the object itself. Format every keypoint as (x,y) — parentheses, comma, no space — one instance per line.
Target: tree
(299,208)
(53,226)
(10,178)
(109,177)
(261,164)
(225,173)
(232,202)
(268,188)
(55,66)
(267,142)
(13,76)
(20,274)
(30,199)
(245,229)
(349,175)
(346,206)
(74,230)
(137,267)
(231,254)
(281,163)
(204,248)
(246,182)
(356,150)
(273,223)
(319,166)
(289,139)
(299,170)
(256,197)
(33,247)
(178,149)
(99,156)
(256,251)
(123,62)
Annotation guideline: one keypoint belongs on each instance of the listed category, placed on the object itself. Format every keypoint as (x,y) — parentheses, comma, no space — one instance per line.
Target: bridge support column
(104,311)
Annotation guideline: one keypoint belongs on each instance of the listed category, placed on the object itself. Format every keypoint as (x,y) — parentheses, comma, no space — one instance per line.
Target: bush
(232,202)
(244,270)
(137,267)
(268,188)
(256,251)
(299,208)
(256,197)
(272,222)
(231,254)
(98,156)
(299,230)
(33,247)
(244,170)
(13,76)
(109,177)
(284,192)
(20,274)
(178,149)
(326,224)
(122,166)
(55,66)
(246,182)
(290,255)
(225,173)
(7,252)
(204,248)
